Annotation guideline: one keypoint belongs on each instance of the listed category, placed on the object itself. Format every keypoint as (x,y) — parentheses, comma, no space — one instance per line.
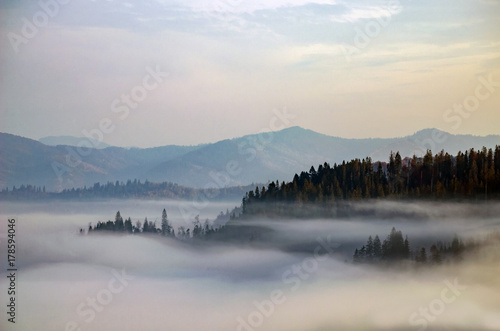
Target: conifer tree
(128,225)
(377,248)
(435,255)
(422,256)
(369,249)
(165,227)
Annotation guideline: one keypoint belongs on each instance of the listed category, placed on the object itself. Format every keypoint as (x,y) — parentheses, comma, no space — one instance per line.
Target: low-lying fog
(68,281)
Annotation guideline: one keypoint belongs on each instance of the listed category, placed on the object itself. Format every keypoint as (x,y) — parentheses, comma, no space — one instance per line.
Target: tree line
(470,175)
(394,248)
(165,228)
(122,190)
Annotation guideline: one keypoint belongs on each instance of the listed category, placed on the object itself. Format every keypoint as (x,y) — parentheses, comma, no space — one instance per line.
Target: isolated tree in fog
(165,227)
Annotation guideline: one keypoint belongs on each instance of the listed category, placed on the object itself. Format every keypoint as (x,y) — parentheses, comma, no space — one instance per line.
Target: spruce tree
(128,225)
(369,249)
(435,255)
(118,226)
(165,228)
(422,256)
(406,248)
(377,248)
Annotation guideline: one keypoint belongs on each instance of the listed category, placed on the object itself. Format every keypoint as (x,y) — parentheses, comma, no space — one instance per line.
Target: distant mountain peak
(429,131)
(238,161)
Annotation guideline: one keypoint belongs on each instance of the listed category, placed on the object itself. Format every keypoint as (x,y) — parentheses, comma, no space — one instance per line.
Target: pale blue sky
(344,68)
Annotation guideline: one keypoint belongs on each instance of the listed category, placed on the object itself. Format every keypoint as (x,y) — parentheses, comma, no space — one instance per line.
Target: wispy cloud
(249,7)
(356,13)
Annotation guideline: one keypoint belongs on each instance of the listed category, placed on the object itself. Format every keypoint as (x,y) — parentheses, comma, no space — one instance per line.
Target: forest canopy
(470,175)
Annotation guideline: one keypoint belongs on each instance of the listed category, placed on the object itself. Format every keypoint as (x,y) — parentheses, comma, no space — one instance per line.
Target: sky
(152,73)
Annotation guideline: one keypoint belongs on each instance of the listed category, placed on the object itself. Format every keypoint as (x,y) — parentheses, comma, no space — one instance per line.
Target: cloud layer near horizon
(174,286)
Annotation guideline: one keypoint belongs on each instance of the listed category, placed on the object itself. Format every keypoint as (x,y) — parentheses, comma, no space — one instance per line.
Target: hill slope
(294,149)
(71,141)
(239,161)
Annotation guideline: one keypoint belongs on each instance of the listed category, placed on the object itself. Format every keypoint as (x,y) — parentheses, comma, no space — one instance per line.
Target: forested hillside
(470,175)
(132,189)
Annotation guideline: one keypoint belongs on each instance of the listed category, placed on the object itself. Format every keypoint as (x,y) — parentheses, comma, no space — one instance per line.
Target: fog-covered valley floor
(68,281)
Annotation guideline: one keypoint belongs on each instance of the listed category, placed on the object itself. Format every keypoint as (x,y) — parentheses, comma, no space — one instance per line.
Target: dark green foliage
(421,256)
(435,255)
(475,174)
(145,226)
(394,248)
(377,248)
(128,225)
(119,225)
(199,231)
(457,247)
(166,229)
(369,249)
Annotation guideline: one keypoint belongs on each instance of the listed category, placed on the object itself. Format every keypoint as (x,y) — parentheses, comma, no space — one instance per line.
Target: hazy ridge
(258,158)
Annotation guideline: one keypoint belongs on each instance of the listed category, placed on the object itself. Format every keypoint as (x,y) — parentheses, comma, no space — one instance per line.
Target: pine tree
(128,225)
(118,226)
(165,227)
(138,226)
(435,255)
(406,248)
(369,249)
(377,248)
(457,247)
(356,256)
(422,256)
(362,254)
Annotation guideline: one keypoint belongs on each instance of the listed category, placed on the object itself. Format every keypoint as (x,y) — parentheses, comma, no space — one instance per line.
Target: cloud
(176,286)
(249,7)
(355,13)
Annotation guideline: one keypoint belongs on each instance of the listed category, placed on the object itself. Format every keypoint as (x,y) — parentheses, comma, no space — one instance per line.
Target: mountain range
(231,162)
(71,141)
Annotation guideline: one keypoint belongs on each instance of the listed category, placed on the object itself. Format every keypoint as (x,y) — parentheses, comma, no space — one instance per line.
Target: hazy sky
(344,68)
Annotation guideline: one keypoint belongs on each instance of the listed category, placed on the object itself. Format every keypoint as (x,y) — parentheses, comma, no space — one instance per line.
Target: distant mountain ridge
(239,161)
(72,141)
